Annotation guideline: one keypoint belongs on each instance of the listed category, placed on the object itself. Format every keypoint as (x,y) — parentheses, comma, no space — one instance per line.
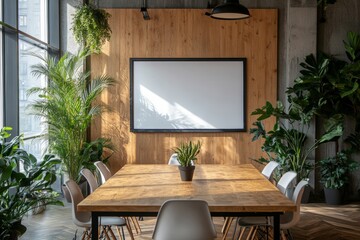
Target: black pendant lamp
(229,10)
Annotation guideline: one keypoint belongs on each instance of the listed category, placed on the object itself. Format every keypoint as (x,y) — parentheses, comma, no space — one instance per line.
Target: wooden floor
(318,221)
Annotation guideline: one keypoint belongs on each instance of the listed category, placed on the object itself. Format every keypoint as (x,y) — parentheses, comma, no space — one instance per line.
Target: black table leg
(94,226)
(277,227)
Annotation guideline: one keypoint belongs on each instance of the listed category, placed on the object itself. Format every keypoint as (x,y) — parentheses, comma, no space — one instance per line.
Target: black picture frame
(146,114)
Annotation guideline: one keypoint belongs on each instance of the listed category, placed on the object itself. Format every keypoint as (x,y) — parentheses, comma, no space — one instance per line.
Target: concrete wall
(67,9)
(342,17)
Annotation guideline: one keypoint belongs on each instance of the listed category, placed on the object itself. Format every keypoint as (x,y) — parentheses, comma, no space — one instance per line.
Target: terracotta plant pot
(186,173)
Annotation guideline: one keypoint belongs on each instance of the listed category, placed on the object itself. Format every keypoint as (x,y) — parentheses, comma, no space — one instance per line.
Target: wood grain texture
(226,188)
(184,33)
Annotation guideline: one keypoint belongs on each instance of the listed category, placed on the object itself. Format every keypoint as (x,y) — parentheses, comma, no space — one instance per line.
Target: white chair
(283,185)
(173,160)
(286,182)
(83,219)
(267,172)
(103,170)
(184,219)
(93,184)
(269,169)
(287,221)
(105,175)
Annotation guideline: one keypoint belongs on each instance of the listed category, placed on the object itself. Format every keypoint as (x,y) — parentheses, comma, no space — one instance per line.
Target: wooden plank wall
(184,33)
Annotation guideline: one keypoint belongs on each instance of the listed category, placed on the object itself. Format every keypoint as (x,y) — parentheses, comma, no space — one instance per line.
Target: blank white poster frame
(187,94)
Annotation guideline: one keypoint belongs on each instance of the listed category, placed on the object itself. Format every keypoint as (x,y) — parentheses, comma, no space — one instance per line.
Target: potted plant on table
(21,192)
(186,155)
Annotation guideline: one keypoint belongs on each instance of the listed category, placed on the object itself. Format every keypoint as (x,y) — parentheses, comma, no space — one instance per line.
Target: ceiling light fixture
(144,11)
(229,10)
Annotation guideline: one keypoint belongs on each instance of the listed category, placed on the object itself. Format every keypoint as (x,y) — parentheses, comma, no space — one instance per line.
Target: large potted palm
(68,105)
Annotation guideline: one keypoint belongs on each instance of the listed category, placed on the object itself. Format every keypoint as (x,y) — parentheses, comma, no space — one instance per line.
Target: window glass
(33,18)
(30,125)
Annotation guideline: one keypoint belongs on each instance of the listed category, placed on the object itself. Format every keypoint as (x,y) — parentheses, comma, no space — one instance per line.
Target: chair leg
(129,230)
(227,228)
(136,224)
(86,234)
(225,224)
(251,233)
(241,233)
(289,234)
(111,232)
(106,230)
(119,233)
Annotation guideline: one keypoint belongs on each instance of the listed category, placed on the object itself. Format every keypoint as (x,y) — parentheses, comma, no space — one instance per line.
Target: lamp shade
(230,10)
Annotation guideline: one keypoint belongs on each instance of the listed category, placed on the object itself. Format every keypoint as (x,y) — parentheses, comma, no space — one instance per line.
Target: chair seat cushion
(113,221)
(251,221)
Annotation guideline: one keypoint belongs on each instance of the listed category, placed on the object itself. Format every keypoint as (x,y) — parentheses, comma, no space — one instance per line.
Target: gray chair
(184,219)
(93,184)
(105,175)
(103,170)
(283,185)
(286,183)
(287,221)
(83,219)
(173,160)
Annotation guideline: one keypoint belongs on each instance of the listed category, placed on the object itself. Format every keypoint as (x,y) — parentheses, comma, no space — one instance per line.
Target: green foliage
(286,142)
(335,170)
(90,27)
(94,151)
(187,152)
(69,105)
(20,192)
(331,87)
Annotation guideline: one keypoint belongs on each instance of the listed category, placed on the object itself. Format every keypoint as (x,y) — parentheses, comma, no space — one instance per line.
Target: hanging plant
(91,27)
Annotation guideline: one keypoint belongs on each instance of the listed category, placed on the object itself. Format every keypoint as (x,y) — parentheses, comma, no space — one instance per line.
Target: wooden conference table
(230,190)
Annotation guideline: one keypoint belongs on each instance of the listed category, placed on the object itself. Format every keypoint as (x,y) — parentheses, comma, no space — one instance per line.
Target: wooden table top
(226,188)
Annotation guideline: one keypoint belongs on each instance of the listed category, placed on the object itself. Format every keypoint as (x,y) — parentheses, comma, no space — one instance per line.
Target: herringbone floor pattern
(318,222)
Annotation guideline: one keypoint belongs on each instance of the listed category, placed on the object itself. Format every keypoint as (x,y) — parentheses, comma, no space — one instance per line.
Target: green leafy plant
(286,142)
(20,191)
(94,151)
(187,152)
(90,27)
(68,106)
(335,170)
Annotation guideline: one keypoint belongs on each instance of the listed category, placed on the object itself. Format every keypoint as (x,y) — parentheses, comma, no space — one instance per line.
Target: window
(35,33)
(22,20)
(33,18)
(29,125)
